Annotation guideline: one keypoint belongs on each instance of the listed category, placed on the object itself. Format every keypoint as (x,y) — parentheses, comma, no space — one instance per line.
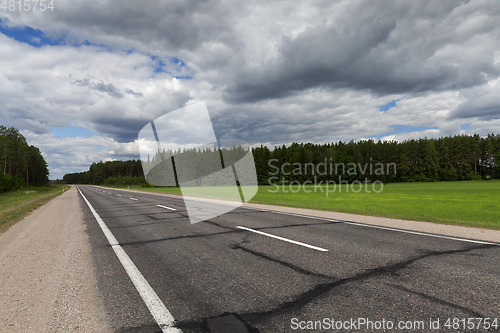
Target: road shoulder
(48,280)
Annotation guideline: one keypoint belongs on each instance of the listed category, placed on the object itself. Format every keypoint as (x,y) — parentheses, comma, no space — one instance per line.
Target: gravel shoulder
(48,282)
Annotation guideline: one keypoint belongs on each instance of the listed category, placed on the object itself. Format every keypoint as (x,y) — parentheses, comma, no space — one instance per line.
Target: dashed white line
(166,207)
(119,195)
(284,239)
(133,199)
(159,311)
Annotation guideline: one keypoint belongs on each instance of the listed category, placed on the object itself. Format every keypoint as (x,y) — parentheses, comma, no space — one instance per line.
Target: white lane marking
(380,227)
(166,207)
(133,199)
(422,233)
(284,239)
(119,195)
(159,311)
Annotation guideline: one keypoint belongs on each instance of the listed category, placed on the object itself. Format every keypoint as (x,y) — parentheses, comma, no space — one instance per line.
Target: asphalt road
(213,276)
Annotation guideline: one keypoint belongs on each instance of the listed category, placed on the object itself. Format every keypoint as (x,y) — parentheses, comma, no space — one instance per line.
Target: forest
(21,165)
(462,157)
(109,173)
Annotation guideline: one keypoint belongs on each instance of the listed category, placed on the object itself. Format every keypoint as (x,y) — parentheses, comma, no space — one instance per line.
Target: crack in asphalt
(319,290)
(283,263)
(178,237)
(220,323)
(433,299)
(438,300)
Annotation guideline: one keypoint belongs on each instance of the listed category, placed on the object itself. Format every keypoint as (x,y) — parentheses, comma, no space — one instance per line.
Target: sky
(81,80)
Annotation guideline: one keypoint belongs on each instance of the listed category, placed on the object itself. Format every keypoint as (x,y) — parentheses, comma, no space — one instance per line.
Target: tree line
(109,173)
(207,166)
(21,165)
(462,157)
(190,167)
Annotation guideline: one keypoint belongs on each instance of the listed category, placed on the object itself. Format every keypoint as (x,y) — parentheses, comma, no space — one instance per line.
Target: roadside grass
(15,205)
(466,203)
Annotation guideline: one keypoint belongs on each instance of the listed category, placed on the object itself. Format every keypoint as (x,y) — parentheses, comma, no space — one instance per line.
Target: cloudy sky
(82,80)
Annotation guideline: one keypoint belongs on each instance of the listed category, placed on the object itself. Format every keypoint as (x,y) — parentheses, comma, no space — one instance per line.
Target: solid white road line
(380,227)
(166,207)
(159,311)
(421,233)
(133,199)
(284,239)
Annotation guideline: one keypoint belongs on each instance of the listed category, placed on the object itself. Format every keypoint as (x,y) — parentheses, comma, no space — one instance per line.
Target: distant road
(258,271)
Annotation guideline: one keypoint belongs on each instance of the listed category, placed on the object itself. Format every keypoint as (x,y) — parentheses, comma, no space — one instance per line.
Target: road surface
(257,271)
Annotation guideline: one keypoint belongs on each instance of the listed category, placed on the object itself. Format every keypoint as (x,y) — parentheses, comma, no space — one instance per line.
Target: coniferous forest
(21,165)
(109,173)
(461,157)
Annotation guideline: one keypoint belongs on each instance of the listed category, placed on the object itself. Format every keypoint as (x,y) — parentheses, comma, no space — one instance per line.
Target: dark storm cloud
(384,47)
(271,123)
(120,128)
(172,24)
(486,108)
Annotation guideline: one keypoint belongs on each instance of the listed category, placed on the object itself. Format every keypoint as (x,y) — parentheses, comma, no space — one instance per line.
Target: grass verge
(466,203)
(15,205)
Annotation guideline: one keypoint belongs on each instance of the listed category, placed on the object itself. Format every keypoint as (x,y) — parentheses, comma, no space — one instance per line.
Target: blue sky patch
(465,126)
(178,62)
(175,63)
(160,67)
(70,131)
(37,38)
(33,37)
(389,105)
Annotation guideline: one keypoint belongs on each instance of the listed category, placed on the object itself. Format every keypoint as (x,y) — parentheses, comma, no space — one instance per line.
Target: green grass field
(17,204)
(468,203)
